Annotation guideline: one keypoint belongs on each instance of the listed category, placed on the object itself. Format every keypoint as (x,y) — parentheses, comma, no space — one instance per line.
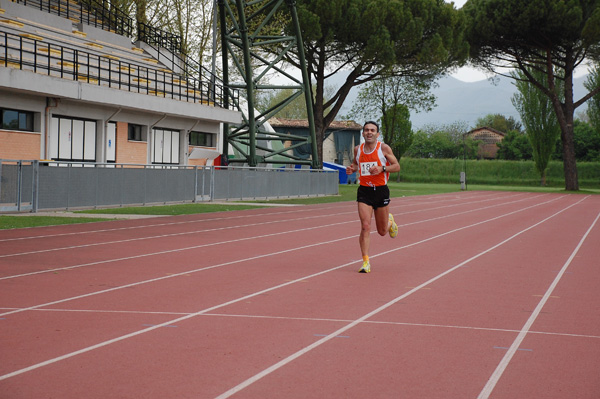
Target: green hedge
(520,173)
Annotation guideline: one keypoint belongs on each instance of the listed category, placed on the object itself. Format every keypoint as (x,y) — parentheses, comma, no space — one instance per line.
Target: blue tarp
(344,178)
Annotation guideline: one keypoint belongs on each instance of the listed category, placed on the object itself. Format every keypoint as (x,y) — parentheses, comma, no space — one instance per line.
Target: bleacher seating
(86,55)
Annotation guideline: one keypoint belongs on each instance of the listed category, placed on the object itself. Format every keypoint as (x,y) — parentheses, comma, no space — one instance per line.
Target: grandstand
(81,83)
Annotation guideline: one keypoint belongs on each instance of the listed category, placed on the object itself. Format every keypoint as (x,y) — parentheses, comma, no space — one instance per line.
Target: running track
(481,295)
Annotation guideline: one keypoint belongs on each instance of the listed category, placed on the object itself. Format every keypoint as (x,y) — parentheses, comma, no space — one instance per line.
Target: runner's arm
(394,165)
(353,166)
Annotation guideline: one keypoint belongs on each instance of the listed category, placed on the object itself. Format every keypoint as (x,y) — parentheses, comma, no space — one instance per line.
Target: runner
(374,161)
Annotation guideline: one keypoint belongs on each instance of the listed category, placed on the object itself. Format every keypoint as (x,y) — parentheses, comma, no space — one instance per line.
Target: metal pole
(214,55)
(306,83)
(252,161)
(195,184)
(212,183)
(121,187)
(68,190)
(225,66)
(34,189)
(463,185)
(19,183)
(96,186)
(145,183)
(0,178)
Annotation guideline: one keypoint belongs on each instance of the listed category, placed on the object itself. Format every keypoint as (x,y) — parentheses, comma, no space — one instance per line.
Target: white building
(74,87)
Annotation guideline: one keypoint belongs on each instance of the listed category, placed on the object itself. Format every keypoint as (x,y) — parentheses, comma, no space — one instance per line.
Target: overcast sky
(466,74)
(457,3)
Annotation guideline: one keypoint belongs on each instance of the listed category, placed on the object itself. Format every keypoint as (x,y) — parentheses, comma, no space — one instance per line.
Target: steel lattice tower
(244,31)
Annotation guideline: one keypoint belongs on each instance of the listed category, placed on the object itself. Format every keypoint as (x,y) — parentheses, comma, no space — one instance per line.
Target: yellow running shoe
(366,267)
(393,228)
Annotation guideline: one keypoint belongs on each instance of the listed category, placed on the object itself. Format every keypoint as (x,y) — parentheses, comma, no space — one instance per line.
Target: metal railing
(158,37)
(68,63)
(102,15)
(18,182)
(89,12)
(108,17)
(189,67)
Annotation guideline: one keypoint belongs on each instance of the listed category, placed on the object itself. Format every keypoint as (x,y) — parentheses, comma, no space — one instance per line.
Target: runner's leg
(382,220)
(365,213)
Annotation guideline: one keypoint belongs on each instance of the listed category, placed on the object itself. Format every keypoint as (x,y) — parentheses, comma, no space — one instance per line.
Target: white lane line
(224,228)
(242,239)
(438,198)
(175,321)
(181,274)
(204,220)
(152,237)
(342,330)
(172,251)
(269,317)
(264,256)
(167,323)
(497,374)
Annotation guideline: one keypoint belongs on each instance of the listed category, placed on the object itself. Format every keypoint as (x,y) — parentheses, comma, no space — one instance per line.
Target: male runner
(374,161)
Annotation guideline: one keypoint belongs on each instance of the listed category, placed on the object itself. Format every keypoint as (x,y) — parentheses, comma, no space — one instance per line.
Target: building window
(135,133)
(72,139)
(13,119)
(203,139)
(165,146)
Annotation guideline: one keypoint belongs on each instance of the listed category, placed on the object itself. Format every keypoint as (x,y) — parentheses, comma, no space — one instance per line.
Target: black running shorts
(375,197)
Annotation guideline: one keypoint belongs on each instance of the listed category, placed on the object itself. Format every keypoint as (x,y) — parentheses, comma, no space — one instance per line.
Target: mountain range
(459,101)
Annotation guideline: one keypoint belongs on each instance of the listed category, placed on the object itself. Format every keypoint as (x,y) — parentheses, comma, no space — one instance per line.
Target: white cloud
(468,74)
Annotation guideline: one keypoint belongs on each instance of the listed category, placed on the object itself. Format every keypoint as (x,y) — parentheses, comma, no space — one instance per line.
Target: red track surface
(481,295)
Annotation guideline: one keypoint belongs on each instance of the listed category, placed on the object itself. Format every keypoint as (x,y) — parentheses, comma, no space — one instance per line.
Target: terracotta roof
(280,122)
(487,128)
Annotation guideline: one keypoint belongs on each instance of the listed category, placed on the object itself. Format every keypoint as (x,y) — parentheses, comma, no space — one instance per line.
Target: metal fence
(52,59)
(27,185)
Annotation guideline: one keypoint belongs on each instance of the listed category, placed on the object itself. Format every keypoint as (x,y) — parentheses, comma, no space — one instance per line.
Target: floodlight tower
(243,28)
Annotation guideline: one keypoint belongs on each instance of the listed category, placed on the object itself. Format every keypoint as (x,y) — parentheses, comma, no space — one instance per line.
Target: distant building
(338,143)
(489,138)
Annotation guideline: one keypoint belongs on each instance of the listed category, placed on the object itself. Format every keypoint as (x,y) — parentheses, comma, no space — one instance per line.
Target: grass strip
(171,210)
(347,192)
(20,222)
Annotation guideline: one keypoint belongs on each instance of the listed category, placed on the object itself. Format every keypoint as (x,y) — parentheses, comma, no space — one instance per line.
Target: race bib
(365,168)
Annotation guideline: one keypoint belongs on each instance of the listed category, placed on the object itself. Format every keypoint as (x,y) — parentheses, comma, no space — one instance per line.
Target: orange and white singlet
(366,160)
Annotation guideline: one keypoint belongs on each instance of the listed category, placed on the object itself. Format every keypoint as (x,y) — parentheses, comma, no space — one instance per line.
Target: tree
(551,36)
(386,92)
(514,147)
(397,129)
(420,38)
(421,147)
(140,11)
(295,109)
(593,110)
(443,142)
(388,100)
(539,118)
(587,142)
(191,20)
(499,122)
